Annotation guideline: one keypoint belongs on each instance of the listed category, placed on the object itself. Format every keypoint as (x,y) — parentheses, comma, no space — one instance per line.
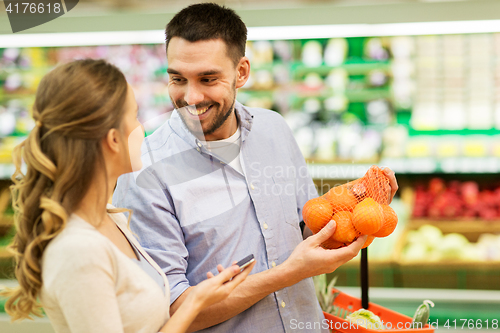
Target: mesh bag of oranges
(360,207)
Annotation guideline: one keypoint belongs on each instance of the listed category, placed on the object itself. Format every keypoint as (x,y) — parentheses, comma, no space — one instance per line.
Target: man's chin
(196,129)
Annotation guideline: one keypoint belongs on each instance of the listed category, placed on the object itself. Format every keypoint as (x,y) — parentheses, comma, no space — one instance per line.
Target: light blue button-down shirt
(192,211)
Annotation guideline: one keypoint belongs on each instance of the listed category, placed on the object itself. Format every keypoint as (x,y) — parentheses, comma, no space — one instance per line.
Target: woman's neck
(92,208)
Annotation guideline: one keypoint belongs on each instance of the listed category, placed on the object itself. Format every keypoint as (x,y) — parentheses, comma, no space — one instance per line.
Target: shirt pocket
(285,189)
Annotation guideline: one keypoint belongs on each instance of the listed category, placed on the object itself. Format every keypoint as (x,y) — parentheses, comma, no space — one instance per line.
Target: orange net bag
(360,207)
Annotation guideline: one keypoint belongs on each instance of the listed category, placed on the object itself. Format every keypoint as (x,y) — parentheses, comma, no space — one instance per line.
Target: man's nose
(193,95)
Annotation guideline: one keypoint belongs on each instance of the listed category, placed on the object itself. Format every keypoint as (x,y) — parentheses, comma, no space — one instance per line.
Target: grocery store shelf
(9,283)
(4,253)
(27,99)
(476,305)
(6,221)
(284,32)
(464,165)
(354,96)
(353,68)
(337,170)
(404,301)
(467,131)
(6,170)
(460,165)
(460,226)
(39,325)
(436,295)
(444,165)
(155,14)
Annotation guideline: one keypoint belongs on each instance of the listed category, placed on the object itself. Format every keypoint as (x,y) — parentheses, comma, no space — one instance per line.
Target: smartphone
(243,263)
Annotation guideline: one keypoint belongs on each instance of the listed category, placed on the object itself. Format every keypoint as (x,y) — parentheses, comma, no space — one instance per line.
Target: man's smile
(200,111)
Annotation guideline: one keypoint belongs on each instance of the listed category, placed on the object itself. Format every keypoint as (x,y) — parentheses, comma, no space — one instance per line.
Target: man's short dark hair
(206,21)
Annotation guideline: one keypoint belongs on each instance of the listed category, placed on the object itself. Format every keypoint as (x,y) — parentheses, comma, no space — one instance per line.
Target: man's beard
(217,122)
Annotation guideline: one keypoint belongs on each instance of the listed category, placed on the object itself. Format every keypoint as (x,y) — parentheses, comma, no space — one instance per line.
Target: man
(221,181)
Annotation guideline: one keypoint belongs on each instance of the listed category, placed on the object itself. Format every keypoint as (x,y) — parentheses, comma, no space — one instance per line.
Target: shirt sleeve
(157,229)
(305,189)
(84,288)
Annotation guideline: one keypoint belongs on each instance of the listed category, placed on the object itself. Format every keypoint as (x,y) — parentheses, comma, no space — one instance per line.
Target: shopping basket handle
(364,278)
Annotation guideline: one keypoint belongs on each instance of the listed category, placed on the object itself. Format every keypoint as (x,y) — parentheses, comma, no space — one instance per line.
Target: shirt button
(199,144)
(198,149)
(252,187)
(222,163)
(265,226)
(273,264)
(282,304)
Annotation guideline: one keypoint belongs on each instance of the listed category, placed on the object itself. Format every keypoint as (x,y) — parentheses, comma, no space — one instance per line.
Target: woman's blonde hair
(76,105)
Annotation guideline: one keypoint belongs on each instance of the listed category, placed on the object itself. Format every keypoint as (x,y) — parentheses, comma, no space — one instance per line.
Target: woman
(72,250)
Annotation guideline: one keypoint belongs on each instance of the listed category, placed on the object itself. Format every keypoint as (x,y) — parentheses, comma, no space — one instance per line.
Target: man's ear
(243,72)
(112,140)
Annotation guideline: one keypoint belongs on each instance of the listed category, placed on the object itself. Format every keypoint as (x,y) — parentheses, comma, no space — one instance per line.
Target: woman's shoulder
(76,242)
(77,252)
(118,217)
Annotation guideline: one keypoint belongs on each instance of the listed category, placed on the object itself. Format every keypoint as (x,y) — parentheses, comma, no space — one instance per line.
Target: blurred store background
(412,85)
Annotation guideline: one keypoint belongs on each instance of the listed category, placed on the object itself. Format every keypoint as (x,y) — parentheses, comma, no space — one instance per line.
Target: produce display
(324,292)
(376,100)
(347,315)
(7,229)
(365,318)
(21,70)
(421,316)
(465,218)
(456,200)
(363,99)
(429,244)
(359,99)
(359,208)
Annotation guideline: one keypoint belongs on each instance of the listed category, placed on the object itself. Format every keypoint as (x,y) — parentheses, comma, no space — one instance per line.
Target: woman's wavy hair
(76,105)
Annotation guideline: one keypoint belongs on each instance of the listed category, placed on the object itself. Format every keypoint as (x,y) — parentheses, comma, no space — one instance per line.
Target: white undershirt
(219,148)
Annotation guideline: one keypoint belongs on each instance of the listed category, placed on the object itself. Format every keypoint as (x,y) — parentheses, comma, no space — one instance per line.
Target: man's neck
(226,130)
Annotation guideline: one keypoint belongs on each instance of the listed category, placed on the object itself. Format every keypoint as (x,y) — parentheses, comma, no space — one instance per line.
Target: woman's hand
(214,289)
(217,288)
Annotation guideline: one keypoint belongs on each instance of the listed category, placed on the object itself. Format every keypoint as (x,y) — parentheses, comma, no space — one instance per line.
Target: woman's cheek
(134,143)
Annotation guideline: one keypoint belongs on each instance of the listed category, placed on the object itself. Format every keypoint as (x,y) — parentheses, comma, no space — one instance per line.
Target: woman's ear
(243,72)
(112,140)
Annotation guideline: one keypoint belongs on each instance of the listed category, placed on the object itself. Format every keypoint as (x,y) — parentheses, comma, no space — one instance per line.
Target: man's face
(202,74)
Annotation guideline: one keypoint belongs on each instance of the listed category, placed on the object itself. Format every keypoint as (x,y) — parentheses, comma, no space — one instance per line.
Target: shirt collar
(242,112)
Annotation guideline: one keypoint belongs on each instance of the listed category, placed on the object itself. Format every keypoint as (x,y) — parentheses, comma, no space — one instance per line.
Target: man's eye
(208,80)
(176,79)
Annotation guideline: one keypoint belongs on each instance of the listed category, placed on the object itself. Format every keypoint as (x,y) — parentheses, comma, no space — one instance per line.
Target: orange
(368,241)
(331,244)
(345,232)
(341,199)
(359,190)
(317,213)
(389,224)
(368,217)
